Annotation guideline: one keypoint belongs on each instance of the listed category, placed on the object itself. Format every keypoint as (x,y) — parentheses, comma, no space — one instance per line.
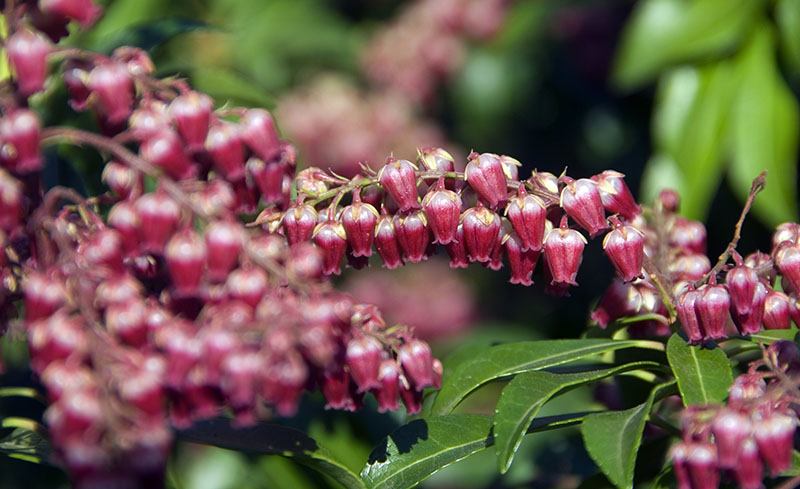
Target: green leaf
(787,16)
(227,85)
(149,34)
(764,131)
(772,335)
(513,358)
(612,438)
(27,445)
(525,395)
(661,33)
(273,439)
(703,374)
(417,450)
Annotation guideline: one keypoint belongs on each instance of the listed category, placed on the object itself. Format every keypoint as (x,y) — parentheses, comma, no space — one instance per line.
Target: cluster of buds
(753,432)
(406,209)
(148,310)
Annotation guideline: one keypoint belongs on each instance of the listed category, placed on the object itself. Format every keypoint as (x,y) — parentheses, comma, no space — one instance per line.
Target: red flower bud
(104,249)
(289,378)
(485,174)
(481,231)
(126,321)
(225,147)
(615,194)
(10,202)
(123,180)
(258,132)
(457,249)
(787,259)
(305,262)
(158,219)
(84,11)
(528,215)
(224,241)
(712,310)
(701,462)
(165,150)
(412,235)
(76,75)
(688,236)
(522,263)
(399,179)
(268,177)
(730,429)
(689,267)
(688,315)
(580,199)
(776,311)
(359,221)
(389,378)
(191,112)
(745,388)
(43,295)
(679,455)
(563,249)
(386,243)
(749,469)
(299,222)
(363,358)
(124,218)
(625,248)
(443,208)
(112,85)
(774,434)
(19,133)
(750,322)
(788,231)
(185,255)
(416,360)
(248,285)
(27,53)
(149,119)
(338,391)
(412,398)
(242,371)
(741,282)
(330,238)
(436,159)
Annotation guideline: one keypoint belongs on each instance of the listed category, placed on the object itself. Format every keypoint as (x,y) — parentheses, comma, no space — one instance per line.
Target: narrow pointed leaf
(612,438)
(703,374)
(273,439)
(525,395)
(772,335)
(513,358)
(26,445)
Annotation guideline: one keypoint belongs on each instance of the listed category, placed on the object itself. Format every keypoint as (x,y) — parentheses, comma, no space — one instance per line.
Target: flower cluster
(755,430)
(147,309)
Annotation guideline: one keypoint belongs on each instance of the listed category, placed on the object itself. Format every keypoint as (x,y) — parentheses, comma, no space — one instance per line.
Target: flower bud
(124,218)
(27,53)
(615,194)
(359,221)
(165,150)
(688,315)
(224,145)
(299,222)
(241,375)
(776,311)
(730,429)
(305,262)
(224,241)
(185,255)
(581,200)
(399,179)
(387,393)
(112,85)
(191,112)
(688,236)
(412,398)
(521,263)
(412,235)
(84,11)
(750,322)
(150,118)
(417,362)
(528,214)
(712,310)
(76,76)
(123,180)
(563,249)
(746,388)
(748,469)
(104,249)
(363,358)
(787,259)
(10,202)
(774,434)
(247,284)
(436,159)
(288,379)
(268,177)
(43,294)
(443,208)
(337,389)
(19,133)
(668,200)
(701,462)
(258,132)
(625,248)
(679,454)
(126,321)
(741,282)
(386,243)
(158,219)
(689,267)
(486,176)
(481,230)
(330,238)
(457,250)
(785,232)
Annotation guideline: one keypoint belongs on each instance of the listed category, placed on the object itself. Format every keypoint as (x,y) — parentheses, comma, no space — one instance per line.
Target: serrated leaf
(764,131)
(273,439)
(787,16)
(417,450)
(527,393)
(703,374)
(661,33)
(772,335)
(513,358)
(27,445)
(612,438)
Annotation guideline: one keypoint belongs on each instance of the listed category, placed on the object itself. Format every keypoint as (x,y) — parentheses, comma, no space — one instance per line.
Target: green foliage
(703,374)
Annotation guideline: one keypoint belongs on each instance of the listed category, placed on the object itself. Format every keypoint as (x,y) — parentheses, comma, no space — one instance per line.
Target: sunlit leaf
(703,374)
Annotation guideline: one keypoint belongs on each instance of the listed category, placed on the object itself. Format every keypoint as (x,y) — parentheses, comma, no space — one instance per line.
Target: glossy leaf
(273,439)
(771,335)
(513,358)
(703,374)
(764,131)
(661,33)
(527,393)
(612,438)
(27,445)
(415,451)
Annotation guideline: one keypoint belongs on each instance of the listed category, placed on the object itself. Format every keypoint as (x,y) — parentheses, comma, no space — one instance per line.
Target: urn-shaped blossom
(224,144)
(359,219)
(191,112)
(741,282)
(165,150)
(776,311)
(457,250)
(27,53)
(258,132)
(750,322)
(730,429)
(112,85)
(363,358)
(443,208)
(19,134)
(528,215)
(224,240)
(158,218)
(399,179)
(387,394)
(412,235)
(521,263)
(749,469)
(299,222)
(563,249)
(774,434)
(688,316)
(701,462)
(712,309)
(481,230)
(625,248)
(330,238)
(185,255)
(386,243)
(787,259)
(486,176)
(580,199)
(417,362)
(615,194)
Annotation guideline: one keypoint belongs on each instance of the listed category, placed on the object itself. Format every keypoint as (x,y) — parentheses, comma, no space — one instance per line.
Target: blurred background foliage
(699,95)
